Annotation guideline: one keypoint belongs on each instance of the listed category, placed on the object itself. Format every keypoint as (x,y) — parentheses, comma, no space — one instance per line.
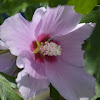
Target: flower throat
(48,48)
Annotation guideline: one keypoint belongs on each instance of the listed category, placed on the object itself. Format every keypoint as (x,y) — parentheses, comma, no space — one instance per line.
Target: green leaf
(92,52)
(44,4)
(1,19)
(54,3)
(54,93)
(12,7)
(83,6)
(80,6)
(30,11)
(10,79)
(97,88)
(93,17)
(6,92)
(92,55)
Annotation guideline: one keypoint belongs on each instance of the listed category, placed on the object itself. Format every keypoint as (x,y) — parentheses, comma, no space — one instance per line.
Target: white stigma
(50,49)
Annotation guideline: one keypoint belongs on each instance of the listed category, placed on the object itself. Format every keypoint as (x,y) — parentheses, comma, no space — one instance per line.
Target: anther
(50,49)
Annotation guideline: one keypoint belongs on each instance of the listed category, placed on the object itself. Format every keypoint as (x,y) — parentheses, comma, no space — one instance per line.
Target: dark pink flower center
(39,57)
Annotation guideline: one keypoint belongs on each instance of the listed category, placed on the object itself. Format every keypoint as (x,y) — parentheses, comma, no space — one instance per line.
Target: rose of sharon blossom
(49,51)
(7,61)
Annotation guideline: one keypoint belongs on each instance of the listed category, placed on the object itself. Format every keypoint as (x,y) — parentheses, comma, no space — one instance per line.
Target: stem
(4,51)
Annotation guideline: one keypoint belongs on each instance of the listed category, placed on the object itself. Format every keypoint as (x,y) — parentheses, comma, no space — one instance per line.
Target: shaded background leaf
(6,90)
(93,17)
(83,6)
(54,93)
(1,19)
(13,6)
(30,11)
(92,55)
(54,3)
(10,80)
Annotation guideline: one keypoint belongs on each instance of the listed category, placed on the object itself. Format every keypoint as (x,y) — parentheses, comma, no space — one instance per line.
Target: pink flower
(49,51)
(7,61)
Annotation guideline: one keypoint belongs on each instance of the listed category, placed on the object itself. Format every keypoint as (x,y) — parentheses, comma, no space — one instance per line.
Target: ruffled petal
(32,79)
(72,43)
(2,46)
(59,20)
(16,34)
(71,82)
(7,63)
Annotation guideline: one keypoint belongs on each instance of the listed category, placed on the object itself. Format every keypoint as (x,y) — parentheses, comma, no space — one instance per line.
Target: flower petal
(32,79)
(2,46)
(16,34)
(37,19)
(59,20)
(7,63)
(71,44)
(71,82)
